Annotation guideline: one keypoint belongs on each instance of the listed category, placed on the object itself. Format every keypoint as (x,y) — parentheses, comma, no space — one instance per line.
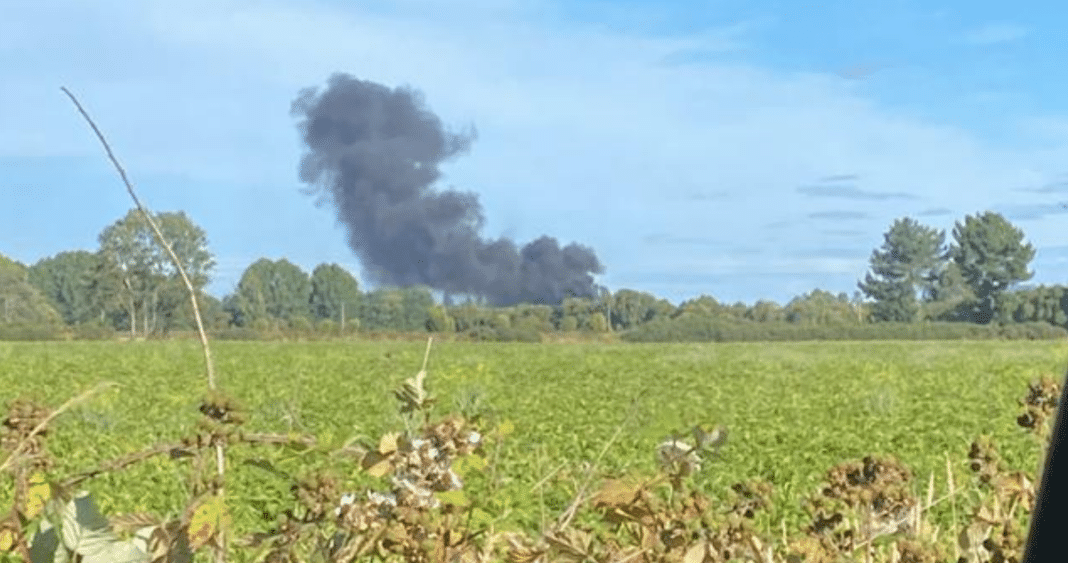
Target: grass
(793,409)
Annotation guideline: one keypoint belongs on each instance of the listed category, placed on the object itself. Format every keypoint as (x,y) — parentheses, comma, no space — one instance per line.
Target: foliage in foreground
(422,507)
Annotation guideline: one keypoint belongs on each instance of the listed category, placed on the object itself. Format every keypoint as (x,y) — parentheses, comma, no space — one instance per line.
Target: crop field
(793,410)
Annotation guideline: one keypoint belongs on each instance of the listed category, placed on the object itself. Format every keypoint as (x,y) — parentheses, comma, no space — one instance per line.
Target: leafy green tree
(274,291)
(500,321)
(66,279)
(632,308)
(469,317)
(383,310)
(139,273)
(598,323)
(335,294)
(708,307)
(1006,306)
(533,318)
(1047,304)
(127,249)
(248,304)
(821,307)
(860,307)
(439,320)
(20,302)
(765,311)
(416,301)
(703,306)
(737,310)
(605,297)
(569,323)
(300,326)
(951,298)
(992,256)
(409,309)
(578,308)
(1055,304)
(214,311)
(107,293)
(904,270)
(895,300)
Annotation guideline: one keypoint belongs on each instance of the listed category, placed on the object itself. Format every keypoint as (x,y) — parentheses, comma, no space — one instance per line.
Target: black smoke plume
(374,152)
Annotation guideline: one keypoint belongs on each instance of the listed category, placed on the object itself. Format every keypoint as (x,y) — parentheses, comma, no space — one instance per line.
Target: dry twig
(208,364)
(44,423)
(220,462)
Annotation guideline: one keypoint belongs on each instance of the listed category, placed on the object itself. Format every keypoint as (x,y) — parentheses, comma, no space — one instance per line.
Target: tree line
(129,285)
(916,276)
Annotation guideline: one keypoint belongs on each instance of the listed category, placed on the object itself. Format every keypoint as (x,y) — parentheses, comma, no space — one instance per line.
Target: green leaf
(469,464)
(107,549)
(456,498)
(37,496)
(480,518)
(85,511)
(505,428)
(81,530)
(207,519)
(45,545)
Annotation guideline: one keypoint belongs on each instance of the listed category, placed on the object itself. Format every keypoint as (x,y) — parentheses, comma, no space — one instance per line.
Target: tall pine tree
(904,271)
(992,256)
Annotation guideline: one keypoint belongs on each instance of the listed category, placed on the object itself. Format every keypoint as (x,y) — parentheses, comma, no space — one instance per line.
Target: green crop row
(793,410)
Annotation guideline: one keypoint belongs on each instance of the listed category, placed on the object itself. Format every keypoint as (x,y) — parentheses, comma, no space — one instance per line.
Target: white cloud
(771,265)
(585,132)
(995,34)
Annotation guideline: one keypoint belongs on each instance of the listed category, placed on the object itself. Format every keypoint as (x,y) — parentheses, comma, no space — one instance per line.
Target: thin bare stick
(41,426)
(123,463)
(580,496)
(426,355)
(175,450)
(545,479)
(754,544)
(208,364)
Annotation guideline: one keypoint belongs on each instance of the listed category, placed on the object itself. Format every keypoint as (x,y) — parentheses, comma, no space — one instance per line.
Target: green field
(793,409)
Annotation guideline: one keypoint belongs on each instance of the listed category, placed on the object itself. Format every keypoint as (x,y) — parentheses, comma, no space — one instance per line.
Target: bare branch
(208,364)
(41,426)
(220,460)
(123,462)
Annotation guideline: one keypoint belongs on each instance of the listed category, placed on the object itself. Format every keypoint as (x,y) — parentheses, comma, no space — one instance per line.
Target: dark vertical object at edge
(1046,540)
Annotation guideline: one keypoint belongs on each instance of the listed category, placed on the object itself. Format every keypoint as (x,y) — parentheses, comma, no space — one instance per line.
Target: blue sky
(737,149)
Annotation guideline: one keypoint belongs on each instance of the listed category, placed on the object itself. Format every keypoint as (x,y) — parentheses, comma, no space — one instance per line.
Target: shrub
(327,327)
(30,332)
(93,331)
(237,333)
(696,328)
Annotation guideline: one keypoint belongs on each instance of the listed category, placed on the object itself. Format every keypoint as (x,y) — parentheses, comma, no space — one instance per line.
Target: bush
(439,320)
(327,327)
(300,325)
(518,335)
(93,331)
(263,326)
(569,324)
(696,328)
(352,326)
(237,333)
(482,333)
(30,332)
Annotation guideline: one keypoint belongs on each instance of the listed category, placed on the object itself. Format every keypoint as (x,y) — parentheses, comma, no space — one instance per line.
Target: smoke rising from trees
(374,153)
